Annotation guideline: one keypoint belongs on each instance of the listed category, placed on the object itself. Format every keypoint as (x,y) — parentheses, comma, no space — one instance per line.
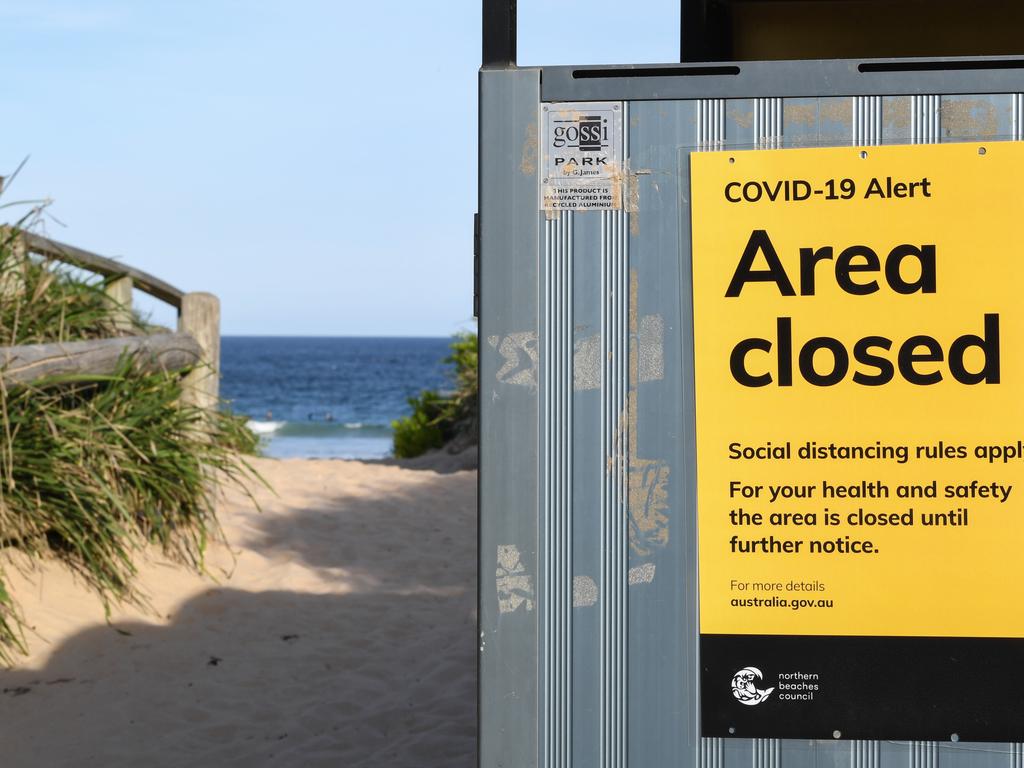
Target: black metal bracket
(499,33)
(705,31)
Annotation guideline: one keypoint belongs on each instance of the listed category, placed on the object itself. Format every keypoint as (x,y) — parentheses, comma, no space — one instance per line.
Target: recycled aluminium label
(859,374)
(583,153)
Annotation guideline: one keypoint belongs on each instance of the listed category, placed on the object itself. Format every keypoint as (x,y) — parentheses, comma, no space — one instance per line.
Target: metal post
(704,33)
(499,33)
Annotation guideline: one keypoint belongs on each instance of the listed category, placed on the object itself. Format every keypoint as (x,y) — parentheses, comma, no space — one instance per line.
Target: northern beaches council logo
(744,689)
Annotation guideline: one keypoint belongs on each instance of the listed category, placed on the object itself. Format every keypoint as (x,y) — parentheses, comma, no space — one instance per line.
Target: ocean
(334,397)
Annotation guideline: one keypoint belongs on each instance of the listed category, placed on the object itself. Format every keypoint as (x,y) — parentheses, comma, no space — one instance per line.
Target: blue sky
(312,163)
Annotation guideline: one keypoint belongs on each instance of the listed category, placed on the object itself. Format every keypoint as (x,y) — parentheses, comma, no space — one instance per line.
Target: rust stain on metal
(969,118)
(648,501)
(646,479)
(632,200)
(528,161)
(826,110)
(836,110)
(801,114)
(742,119)
(896,114)
(619,179)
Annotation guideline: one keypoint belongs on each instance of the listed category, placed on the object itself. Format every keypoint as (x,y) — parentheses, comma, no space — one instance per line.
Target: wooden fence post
(12,277)
(200,317)
(119,299)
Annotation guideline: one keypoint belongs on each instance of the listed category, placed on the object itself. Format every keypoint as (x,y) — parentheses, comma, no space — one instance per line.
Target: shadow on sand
(384,675)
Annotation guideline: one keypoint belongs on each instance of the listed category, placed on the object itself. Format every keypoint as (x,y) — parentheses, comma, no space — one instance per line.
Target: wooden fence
(195,346)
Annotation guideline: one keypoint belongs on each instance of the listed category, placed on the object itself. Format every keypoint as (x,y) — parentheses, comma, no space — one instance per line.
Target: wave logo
(744,689)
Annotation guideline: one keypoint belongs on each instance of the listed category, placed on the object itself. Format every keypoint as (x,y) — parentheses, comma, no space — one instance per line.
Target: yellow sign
(859,363)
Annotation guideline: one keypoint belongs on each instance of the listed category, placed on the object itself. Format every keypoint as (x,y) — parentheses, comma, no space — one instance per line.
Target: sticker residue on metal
(582,156)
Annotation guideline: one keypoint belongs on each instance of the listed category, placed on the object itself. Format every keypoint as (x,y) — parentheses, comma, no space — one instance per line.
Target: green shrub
(420,431)
(441,419)
(90,471)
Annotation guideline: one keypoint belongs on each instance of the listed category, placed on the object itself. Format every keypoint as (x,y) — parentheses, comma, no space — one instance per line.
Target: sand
(338,630)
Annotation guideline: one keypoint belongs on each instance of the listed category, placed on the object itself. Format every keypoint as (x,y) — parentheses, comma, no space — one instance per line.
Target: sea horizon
(329,396)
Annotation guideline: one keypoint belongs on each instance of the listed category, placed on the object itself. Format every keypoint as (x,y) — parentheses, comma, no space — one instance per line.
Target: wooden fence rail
(30,363)
(196,346)
(101,265)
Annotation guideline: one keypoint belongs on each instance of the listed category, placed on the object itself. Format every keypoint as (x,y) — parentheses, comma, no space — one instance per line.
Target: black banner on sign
(906,688)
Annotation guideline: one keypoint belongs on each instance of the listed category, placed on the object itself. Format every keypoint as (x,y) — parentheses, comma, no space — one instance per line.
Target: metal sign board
(859,414)
(582,156)
(609,402)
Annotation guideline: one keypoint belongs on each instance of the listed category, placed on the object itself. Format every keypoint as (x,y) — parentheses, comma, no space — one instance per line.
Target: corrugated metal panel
(710,124)
(865,754)
(588,555)
(867,121)
(510,235)
(925,128)
(614,540)
(642,639)
(924,119)
(767,753)
(924,754)
(556,464)
(1017,756)
(768,122)
(712,753)
(711,137)
(662,648)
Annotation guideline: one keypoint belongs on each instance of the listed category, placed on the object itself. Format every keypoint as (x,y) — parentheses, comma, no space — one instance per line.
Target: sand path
(343,636)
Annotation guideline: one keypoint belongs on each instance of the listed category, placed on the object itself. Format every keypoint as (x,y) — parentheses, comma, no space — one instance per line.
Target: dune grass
(93,470)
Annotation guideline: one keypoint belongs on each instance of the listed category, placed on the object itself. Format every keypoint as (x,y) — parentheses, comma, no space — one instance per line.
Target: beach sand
(339,630)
